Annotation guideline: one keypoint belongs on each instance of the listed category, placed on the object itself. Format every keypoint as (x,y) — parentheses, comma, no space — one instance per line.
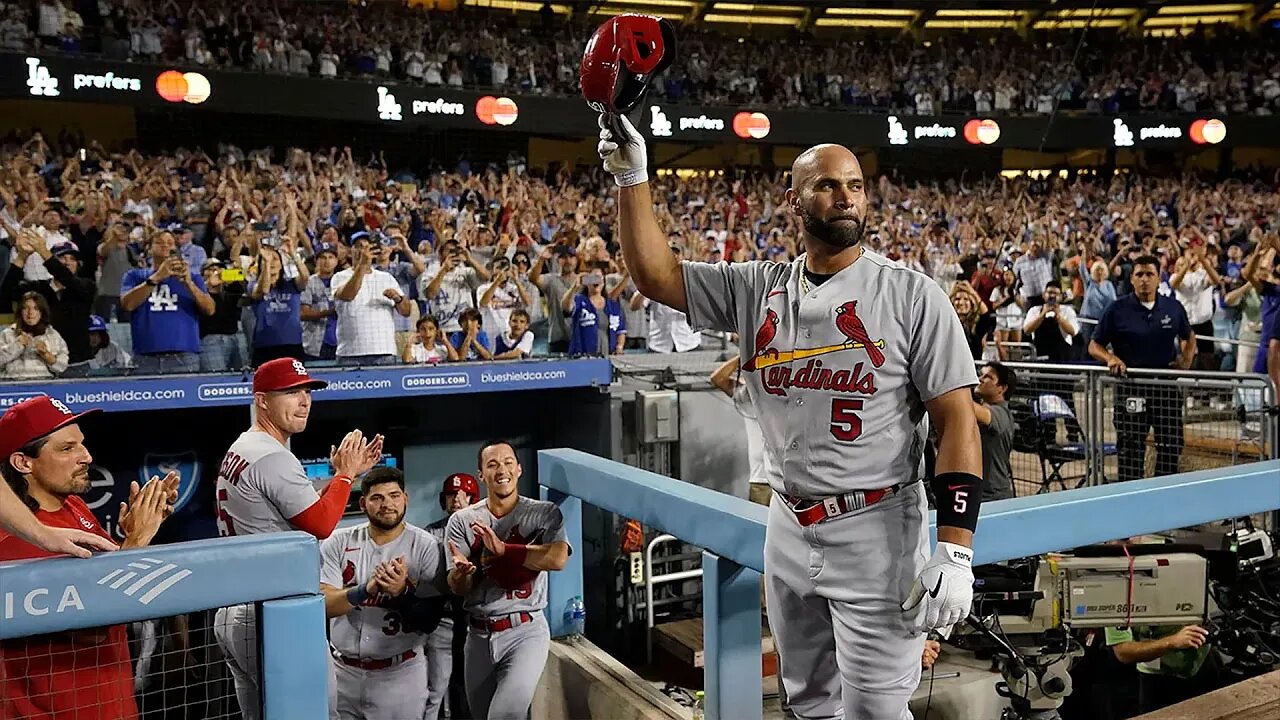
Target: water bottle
(575,616)
(699,705)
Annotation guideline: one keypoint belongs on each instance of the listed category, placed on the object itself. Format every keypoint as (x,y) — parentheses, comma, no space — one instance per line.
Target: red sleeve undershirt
(323,515)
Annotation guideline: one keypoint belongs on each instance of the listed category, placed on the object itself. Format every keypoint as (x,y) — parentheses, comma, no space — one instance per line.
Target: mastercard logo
(981,132)
(1210,132)
(497,111)
(753,125)
(191,87)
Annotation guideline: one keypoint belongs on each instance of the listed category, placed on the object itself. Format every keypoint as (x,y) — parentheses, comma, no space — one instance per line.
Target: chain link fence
(1076,425)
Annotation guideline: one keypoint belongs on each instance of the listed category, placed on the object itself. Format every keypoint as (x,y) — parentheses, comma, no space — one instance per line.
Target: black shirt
(1140,337)
(69,308)
(225,319)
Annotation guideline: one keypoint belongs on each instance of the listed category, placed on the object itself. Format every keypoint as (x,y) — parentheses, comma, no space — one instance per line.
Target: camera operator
(1170,661)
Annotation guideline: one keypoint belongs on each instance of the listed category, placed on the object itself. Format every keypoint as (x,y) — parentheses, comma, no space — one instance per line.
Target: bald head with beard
(828,193)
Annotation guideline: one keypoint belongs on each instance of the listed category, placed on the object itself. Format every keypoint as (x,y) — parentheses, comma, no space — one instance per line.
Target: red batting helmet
(621,59)
(460,481)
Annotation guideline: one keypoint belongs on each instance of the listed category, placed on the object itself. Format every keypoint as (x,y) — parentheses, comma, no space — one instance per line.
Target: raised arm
(653,266)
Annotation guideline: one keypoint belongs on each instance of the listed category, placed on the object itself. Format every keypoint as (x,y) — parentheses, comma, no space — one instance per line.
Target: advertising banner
(415,107)
(123,394)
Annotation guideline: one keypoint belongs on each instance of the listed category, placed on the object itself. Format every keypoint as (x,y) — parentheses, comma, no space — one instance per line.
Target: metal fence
(1076,425)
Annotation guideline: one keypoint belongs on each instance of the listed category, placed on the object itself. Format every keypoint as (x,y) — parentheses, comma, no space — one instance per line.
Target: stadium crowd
(1218,70)
(186,262)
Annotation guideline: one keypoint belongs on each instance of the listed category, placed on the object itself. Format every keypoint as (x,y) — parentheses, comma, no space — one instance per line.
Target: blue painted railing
(281,571)
(731,532)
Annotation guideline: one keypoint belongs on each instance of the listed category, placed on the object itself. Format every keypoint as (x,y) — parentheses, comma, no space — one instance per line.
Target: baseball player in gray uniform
(375,578)
(497,553)
(446,693)
(262,488)
(844,353)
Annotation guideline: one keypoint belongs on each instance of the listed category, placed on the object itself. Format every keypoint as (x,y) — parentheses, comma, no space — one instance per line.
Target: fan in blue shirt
(277,330)
(163,301)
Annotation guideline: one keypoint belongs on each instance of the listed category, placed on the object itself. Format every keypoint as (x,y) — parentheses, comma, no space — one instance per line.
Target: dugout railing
(731,532)
(279,573)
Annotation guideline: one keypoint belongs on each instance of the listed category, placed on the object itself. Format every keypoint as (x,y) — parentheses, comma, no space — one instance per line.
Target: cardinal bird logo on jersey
(349,574)
(764,336)
(848,322)
(801,367)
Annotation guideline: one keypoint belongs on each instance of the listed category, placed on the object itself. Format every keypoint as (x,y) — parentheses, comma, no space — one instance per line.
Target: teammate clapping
(498,551)
(262,488)
(383,585)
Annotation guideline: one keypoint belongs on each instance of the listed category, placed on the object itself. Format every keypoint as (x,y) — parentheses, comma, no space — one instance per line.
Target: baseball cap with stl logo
(33,419)
(284,374)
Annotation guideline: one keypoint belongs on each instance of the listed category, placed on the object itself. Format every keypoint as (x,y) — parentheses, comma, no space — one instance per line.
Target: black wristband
(959,497)
(357,595)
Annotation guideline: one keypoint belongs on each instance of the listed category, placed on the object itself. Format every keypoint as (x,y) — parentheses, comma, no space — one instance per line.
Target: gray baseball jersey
(260,486)
(349,557)
(838,373)
(530,522)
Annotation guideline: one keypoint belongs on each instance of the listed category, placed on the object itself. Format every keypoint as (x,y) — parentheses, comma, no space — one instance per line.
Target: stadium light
(519,6)
(980,13)
(1189,20)
(733,7)
(1093,13)
(861,22)
(1203,9)
(667,11)
(622,5)
(1076,24)
(970,24)
(885,12)
(751,19)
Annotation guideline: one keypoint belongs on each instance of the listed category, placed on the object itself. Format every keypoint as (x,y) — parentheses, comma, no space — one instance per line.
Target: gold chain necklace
(805,287)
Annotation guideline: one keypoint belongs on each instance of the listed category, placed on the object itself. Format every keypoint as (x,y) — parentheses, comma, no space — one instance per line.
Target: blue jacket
(582,325)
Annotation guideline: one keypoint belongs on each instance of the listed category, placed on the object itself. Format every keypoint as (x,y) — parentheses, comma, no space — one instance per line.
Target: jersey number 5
(845,423)
(226,528)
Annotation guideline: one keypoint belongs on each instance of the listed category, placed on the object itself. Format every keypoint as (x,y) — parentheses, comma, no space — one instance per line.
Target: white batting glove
(945,586)
(622,150)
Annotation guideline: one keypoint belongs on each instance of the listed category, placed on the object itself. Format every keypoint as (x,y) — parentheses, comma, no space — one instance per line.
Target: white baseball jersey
(839,372)
(530,522)
(260,486)
(348,557)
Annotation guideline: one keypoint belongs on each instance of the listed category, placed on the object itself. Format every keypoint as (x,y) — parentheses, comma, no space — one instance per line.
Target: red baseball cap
(284,374)
(464,482)
(33,419)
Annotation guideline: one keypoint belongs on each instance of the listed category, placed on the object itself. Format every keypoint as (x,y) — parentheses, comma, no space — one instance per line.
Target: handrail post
(731,638)
(294,657)
(563,585)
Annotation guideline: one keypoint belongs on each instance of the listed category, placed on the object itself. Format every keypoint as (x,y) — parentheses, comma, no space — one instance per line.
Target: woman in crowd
(31,349)
(1099,293)
(1009,314)
(597,325)
(970,310)
(430,345)
(277,327)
